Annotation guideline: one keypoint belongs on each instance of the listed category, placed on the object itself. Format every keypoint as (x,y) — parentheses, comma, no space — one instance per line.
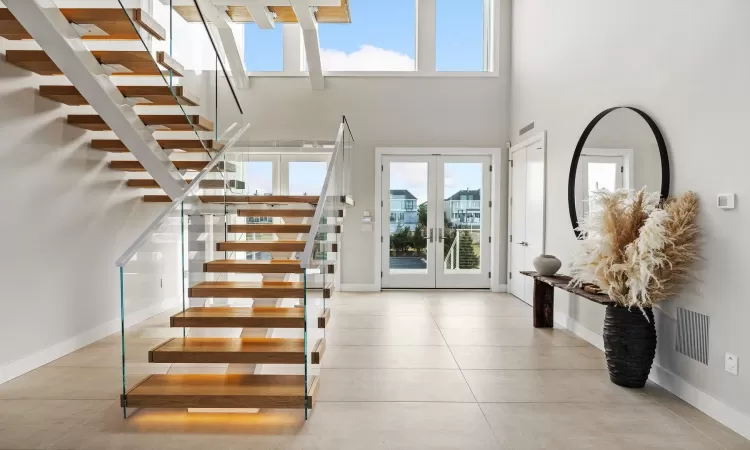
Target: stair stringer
(49,28)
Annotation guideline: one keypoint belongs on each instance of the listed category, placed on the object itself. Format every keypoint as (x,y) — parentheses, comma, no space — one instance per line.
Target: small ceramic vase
(547,265)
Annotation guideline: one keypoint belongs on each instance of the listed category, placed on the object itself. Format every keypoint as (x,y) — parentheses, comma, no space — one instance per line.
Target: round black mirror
(622,147)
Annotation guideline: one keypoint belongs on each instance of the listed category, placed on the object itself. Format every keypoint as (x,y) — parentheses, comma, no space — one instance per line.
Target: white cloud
(367,58)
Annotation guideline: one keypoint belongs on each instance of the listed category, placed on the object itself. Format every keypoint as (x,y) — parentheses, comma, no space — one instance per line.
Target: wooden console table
(544,297)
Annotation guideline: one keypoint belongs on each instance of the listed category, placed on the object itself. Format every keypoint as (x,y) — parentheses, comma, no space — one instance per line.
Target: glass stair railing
(243,311)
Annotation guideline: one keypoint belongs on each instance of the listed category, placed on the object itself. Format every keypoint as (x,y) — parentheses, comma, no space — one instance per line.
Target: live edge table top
(563,282)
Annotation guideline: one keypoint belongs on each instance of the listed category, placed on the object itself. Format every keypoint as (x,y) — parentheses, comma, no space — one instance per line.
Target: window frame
(425,49)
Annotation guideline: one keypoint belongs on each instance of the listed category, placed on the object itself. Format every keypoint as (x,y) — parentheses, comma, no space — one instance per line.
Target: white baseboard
(49,354)
(359,288)
(579,330)
(500,288)
(731,418)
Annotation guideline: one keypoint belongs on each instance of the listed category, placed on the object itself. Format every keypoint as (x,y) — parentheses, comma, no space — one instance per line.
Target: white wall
(382,112)
(393,111)
(686,63)
(66,219)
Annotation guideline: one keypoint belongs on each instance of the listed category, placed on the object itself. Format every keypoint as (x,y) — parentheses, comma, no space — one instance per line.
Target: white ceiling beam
(309,26)
(221,23)
(262,16)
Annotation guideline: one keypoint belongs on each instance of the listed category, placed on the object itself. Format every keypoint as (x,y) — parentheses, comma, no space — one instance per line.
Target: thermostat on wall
(725,201)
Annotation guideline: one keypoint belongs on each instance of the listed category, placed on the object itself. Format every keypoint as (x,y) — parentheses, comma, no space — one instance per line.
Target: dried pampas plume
(636,249)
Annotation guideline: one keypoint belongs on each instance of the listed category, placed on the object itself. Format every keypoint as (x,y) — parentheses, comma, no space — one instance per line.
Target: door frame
(498,164)
(540,138)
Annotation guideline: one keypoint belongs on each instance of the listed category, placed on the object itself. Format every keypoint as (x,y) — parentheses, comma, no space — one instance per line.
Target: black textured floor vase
(629,344)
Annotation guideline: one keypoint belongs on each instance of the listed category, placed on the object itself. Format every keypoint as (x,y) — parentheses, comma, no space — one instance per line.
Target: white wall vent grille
(692,335)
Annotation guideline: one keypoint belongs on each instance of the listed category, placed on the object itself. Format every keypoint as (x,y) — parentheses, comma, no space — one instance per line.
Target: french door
(436,222)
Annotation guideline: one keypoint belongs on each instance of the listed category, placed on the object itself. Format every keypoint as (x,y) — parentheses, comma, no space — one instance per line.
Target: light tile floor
(403,370)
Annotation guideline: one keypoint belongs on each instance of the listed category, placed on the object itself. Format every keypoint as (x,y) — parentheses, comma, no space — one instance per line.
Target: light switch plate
(725,201)
(731,363)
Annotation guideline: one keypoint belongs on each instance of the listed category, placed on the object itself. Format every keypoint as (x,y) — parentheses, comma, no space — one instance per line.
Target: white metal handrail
(452,260)
(122,260)
(310,244)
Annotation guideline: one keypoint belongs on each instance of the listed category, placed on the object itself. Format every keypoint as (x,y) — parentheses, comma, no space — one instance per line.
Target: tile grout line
(476,402)
(76,428)
(660,405)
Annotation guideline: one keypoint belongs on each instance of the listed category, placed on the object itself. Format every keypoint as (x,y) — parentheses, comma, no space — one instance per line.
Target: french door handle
(440,235)
(525,244)
(431,235)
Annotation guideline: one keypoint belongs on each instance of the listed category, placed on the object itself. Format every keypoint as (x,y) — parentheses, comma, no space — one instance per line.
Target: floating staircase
(282,278)
(235,303)
(121,25)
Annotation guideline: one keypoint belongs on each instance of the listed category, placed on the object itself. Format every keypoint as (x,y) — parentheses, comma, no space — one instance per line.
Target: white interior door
(527,210)
(463,222)
(534,236)
(408,209)
(517,242)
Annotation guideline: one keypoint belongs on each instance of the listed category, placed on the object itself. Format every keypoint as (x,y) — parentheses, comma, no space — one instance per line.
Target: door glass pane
(462,219)
(408,218)
(307,177)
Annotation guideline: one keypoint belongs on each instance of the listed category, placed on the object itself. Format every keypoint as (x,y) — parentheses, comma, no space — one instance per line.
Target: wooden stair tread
(222,391)
(230,351)
(276,212)
(113,21)
(250,289)
(147,183)
(240,317)
(185,145)
(282,212)
(163,122)
(132,62)
(267,246)
(261,246)
(196,166)
(255,266)
(280,199)
(269,228)
(144,95)
(275,199)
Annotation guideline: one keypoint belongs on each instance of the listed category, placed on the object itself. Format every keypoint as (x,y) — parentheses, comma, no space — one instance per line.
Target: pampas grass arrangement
(637,249)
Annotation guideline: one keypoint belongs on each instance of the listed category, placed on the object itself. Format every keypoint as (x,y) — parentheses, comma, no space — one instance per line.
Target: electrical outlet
(731,363)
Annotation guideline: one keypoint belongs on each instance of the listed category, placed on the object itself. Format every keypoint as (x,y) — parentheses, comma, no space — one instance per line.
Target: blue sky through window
(382,37)
(460,35)
(264,49)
